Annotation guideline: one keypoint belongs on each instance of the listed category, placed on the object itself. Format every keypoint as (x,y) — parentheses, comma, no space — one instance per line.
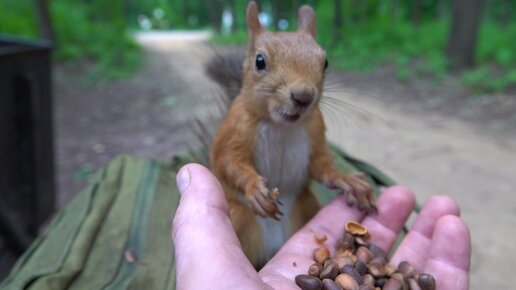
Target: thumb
(202,231)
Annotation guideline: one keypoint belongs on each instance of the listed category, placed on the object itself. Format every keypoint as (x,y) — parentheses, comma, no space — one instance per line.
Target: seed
(328,284)
(350,270)
(307,282)
(356,228)
(380,282)
(393,284)
(315,270)
(368,279)
(330,271)
(426,281)
(364,254)
(376,267)
(346,282)
(406,269)
(361,268)
(347,242)
(321,254)
(376,250)
(343,260)
(366,287)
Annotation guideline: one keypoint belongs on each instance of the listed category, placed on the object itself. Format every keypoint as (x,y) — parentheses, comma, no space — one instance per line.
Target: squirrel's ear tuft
(253,21)
(306,20)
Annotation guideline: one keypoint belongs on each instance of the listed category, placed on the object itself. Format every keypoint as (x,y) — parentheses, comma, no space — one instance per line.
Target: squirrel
(272,141)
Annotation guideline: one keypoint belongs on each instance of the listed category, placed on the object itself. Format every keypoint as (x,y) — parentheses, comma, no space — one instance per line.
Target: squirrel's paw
(357,190)
(263,201)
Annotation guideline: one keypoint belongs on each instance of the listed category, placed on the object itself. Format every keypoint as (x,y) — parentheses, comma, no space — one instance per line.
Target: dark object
(466,16)
(27,190)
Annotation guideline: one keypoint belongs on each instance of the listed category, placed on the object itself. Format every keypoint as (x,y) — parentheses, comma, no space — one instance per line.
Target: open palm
(208,253)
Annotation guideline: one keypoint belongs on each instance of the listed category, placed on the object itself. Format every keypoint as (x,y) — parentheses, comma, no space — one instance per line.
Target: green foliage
(105,41)
(17,17)
(93,32)
(377,32)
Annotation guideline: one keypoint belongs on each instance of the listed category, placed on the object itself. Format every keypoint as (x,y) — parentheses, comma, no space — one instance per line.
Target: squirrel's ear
(306,20)
(253,22)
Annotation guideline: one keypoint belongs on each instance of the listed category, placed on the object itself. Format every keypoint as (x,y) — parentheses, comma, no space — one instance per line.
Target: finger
(416,245)
(394,208)
(450,252)
(203,232)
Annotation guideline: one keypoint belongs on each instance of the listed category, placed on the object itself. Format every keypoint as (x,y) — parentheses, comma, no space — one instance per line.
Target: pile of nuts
(360,265)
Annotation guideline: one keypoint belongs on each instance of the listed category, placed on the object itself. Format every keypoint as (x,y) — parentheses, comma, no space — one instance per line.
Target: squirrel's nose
(302,98)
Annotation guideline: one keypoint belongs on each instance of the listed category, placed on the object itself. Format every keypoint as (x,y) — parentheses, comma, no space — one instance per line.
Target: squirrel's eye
(325,64)
(260,62)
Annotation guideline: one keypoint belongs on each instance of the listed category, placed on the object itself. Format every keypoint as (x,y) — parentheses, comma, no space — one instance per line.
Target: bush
(84,33)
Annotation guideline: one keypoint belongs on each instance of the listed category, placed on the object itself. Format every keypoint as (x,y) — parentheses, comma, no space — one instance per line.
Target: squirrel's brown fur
(274,136)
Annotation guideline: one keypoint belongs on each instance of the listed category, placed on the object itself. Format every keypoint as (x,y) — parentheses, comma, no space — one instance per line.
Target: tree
(337,21)
(466,15)
(46,30)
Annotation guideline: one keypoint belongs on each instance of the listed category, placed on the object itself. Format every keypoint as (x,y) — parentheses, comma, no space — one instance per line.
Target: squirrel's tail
(226,70)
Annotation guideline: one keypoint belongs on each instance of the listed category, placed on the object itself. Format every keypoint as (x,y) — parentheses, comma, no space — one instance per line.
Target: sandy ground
(427,151)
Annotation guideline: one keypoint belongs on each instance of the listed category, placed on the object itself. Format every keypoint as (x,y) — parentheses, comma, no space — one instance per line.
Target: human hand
(208,253)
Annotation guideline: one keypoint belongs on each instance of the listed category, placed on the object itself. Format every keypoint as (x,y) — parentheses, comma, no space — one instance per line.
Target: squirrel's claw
(357,190)
(265,203)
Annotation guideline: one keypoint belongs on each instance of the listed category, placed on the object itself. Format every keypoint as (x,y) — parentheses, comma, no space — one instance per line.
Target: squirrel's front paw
(356,189)
(263,201)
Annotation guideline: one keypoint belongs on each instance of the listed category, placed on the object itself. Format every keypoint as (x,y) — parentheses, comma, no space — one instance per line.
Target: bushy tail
(226,70)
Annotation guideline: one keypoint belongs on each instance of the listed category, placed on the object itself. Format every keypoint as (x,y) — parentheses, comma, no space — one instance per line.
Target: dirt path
(426,151)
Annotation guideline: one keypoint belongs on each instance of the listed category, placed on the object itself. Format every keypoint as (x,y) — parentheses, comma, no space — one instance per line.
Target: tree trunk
(215,8)
(416,12)
(466,16)
(505,12)
(337,21)
(46,30)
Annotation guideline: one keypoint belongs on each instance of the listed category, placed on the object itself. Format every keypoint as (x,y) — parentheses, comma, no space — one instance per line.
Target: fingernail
(183,179)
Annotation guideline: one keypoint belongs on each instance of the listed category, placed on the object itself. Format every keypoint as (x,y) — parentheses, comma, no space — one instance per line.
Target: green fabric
(115,234)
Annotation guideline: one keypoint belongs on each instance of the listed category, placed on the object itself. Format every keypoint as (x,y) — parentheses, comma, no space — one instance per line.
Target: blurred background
(423,89)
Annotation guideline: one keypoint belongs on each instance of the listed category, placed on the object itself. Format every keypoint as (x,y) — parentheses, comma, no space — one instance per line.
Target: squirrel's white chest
(282,156)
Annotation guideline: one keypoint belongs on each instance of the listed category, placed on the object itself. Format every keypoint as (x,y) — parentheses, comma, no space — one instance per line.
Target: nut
(364,254)
(366,287)
(346,282)
(393,284)
(376,250)
(426,281)
(329,284)
(315,270)
(361,268)
(356,228)
(330,271)
(347,242)
(406,269)
(307,282)
(368,279)
(350,270)
(343,260)
(321,254)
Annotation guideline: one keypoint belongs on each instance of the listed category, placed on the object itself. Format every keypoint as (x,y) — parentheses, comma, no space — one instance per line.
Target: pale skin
(207,250)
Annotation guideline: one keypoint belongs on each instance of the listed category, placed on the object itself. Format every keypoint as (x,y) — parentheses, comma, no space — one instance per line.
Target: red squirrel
(272,141)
